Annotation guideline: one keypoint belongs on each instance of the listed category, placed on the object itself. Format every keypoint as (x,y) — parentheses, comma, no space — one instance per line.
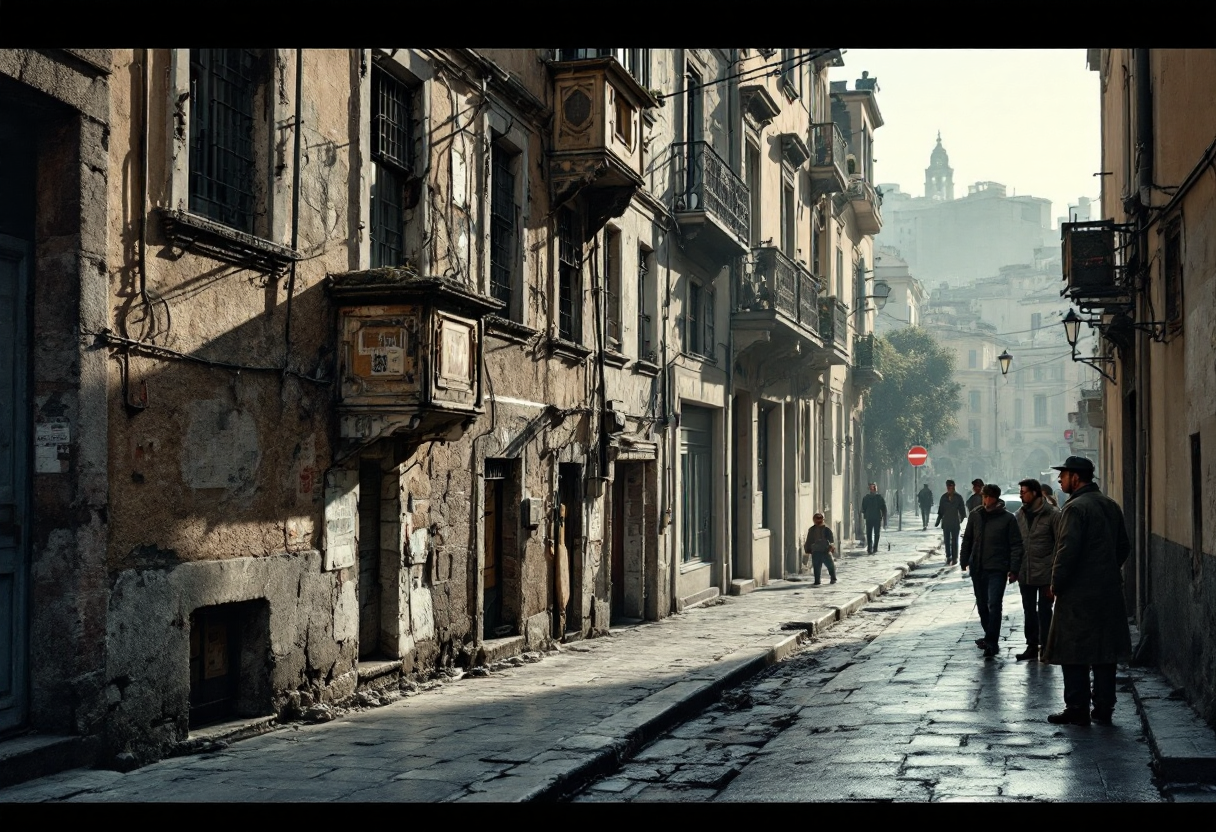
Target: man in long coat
(1089,625)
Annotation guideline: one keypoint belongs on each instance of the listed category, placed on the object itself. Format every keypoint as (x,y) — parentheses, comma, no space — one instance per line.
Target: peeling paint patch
(221,447)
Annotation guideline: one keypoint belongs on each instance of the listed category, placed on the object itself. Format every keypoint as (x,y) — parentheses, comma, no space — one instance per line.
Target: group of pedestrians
(1067,562)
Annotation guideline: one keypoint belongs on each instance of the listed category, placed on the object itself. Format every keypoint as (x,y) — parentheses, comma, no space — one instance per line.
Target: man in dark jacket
(1089,628)
(992,550)
(1039,523)
(975,500)
(874,510)
(951,512)
(924,498)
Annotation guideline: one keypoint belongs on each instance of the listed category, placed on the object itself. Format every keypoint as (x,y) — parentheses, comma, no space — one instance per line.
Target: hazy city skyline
(1027,118)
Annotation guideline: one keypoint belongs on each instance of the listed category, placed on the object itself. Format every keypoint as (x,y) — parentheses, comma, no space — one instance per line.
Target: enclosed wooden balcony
(597,135)
(712,204)
(410,352)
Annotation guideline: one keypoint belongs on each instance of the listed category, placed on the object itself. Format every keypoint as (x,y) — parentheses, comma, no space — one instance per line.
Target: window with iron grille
(392,156)
(503,225)
(645,344)
(569,277)
(224,84)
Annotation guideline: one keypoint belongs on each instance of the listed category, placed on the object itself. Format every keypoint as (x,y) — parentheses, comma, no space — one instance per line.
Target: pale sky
(1027,118)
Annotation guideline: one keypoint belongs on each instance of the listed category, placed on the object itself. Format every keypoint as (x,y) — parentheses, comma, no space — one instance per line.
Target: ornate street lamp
(1006,359)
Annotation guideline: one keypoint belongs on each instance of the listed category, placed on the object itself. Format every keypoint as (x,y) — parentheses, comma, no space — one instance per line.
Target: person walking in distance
(992,549)
(1089,627)
(819,545)
(924,499)
(874,512)
(1049,495)
(1038,523)
(951,512)
(975,500)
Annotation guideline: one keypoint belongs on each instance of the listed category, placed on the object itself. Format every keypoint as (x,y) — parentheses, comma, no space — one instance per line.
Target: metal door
(14,453)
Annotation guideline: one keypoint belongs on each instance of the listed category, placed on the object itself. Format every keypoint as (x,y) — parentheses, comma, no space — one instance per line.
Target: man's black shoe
(1029,654)
(980,643)
(1102,717)
(1069,717)
(990,651)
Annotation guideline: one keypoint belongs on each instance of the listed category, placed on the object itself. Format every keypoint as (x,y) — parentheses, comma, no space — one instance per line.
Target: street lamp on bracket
(1072,331)
(882,291)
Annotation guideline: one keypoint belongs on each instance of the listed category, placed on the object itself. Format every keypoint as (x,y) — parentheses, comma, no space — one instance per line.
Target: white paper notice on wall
(52,447)
(341,544)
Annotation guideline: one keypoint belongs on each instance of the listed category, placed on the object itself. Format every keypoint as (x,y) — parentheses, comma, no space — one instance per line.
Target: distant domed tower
(939,176)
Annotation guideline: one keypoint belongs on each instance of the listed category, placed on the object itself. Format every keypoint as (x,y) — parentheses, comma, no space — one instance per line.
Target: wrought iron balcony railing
(863,352)
(834,322)
(705,182)
(862,191)
(779,283)
(828,147)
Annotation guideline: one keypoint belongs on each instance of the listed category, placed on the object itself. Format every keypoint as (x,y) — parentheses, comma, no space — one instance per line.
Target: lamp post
(1004,360)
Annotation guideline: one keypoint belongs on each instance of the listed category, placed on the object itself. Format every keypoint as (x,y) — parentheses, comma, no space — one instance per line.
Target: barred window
(392,157)
(223,86)
(503,225)
(570,289)
(392,121)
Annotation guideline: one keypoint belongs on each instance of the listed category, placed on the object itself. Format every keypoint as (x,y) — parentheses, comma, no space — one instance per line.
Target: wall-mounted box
(410,355)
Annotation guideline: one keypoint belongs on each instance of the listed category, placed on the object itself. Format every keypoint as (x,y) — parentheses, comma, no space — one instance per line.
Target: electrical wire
(777,67)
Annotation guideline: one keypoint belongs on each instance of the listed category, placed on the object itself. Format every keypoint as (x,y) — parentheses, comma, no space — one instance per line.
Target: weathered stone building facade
(333,367)
(1148,292)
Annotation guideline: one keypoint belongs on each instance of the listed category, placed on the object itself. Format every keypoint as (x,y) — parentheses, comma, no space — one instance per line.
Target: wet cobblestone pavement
(896,704)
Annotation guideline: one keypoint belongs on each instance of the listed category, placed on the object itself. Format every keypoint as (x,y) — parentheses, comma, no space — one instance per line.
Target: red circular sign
(917,455)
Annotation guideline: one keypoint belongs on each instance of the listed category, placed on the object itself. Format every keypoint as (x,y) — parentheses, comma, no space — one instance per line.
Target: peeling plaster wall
(313,631)
(218,479)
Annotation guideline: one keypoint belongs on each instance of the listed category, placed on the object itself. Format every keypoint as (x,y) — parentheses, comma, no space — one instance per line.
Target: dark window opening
(503,225)
(229,661)
(1173,271)
(645,348)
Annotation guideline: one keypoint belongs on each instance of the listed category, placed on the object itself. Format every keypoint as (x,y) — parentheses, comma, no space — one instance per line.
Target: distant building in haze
(953,240)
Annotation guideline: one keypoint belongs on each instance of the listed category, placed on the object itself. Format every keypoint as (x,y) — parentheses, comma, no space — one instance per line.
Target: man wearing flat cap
(1089,626)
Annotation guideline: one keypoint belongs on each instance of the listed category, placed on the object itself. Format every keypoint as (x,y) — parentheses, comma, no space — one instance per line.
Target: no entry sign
(917,455)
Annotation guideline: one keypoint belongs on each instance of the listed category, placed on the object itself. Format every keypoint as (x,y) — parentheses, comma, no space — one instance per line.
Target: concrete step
(27,756)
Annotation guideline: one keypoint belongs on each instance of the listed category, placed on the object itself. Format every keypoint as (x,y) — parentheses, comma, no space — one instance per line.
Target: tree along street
(896,703)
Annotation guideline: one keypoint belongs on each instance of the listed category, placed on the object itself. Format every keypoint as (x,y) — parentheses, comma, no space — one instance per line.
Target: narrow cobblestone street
(887,700)
(895,704)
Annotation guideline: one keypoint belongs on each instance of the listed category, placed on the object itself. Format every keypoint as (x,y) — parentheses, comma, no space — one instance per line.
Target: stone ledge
(689,601)
(30,756)
(742,586)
